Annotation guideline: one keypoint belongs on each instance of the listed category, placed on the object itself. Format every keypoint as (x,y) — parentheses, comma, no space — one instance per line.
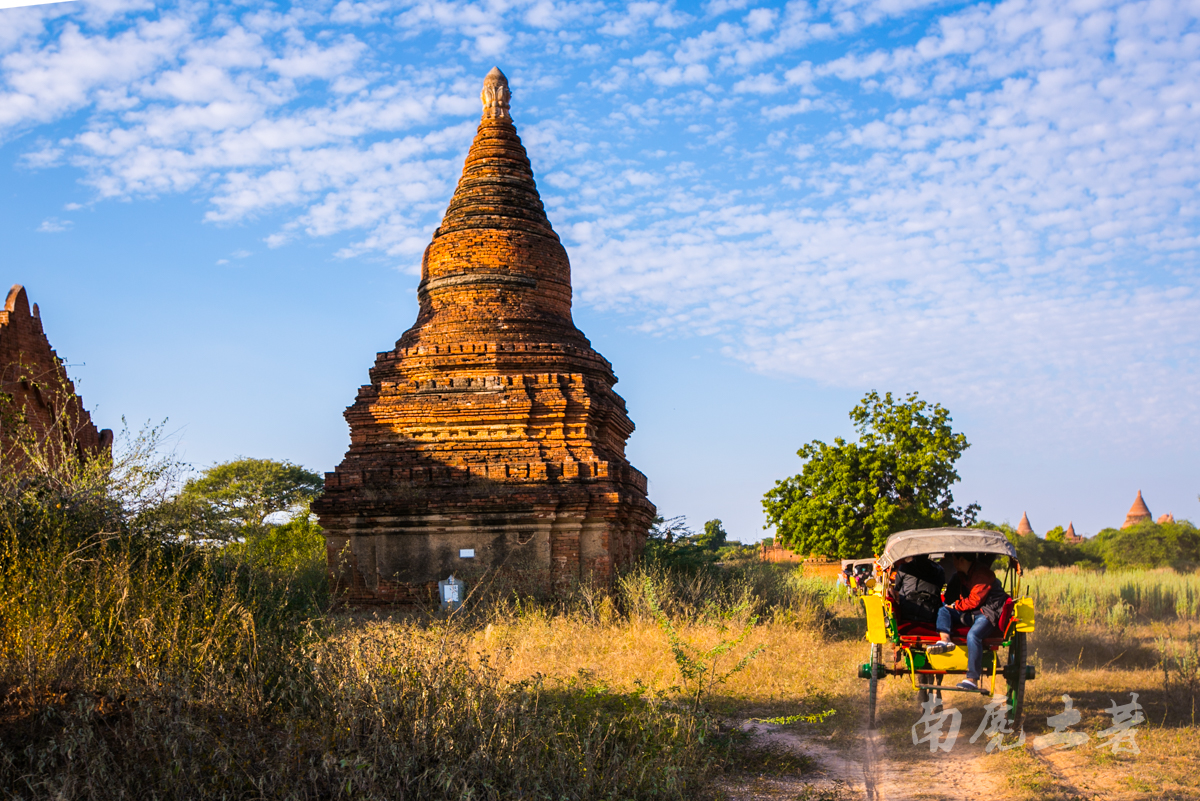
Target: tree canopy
(850,496)
(672,543)
(234,499)
(1144,546)
(1148,545)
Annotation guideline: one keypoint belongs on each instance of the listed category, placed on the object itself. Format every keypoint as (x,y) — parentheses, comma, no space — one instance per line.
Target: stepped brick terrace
(490,438)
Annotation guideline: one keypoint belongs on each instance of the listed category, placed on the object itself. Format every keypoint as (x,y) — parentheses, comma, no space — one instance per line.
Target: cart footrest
(950,688)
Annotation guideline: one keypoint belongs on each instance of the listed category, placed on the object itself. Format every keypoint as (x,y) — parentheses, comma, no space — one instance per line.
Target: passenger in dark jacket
(918,588)
(979,603)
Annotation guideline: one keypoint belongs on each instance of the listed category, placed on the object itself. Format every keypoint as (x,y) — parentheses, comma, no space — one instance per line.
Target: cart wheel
(873,686)
(1017,656)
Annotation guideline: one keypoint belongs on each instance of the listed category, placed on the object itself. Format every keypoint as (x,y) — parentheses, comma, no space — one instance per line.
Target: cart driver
(979,606)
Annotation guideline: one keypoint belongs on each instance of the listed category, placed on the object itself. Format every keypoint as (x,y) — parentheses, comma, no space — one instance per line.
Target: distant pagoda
(1023,527)
(490,437)
(1069,536)
(1138,513)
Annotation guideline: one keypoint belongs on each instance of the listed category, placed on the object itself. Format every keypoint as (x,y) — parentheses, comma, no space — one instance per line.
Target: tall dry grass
(132,670)
(1115,597)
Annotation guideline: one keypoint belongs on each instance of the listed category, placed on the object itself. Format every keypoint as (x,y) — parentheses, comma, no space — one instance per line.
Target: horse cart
(856,572)
(899,647)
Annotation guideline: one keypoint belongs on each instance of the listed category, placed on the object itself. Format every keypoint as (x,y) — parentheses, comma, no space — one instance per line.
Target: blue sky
(770,208)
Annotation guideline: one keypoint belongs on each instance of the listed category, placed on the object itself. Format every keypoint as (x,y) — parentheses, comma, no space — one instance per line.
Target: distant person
(864,573)
(979,602)
(919,588)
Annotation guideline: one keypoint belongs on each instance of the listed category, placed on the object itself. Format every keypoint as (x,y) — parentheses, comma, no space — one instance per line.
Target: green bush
(1148,545)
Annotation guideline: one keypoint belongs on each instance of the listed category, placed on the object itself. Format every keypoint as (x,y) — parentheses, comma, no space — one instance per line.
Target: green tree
(1053,551)
(714,536)
(234,499)
(1029,546)
(851,495)
(673,544)
(1148,545)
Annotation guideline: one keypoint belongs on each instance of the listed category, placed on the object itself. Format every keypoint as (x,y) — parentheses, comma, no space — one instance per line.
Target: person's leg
(946,620)
(980,629)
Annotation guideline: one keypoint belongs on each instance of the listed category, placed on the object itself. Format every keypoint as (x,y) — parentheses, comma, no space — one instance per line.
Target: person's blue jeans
(949,619)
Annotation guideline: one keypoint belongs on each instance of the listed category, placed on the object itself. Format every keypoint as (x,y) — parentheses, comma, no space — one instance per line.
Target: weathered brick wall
(37,389)
(492,426)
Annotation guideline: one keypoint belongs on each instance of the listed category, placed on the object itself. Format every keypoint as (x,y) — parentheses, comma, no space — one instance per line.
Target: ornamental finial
(495,96)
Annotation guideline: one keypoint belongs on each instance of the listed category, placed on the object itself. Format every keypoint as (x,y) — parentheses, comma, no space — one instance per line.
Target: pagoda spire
(1023,527)
(495,242)
(1138,513)
(495,95)
(496,190)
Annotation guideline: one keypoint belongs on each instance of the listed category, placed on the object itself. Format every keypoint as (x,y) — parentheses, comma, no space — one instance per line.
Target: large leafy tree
(234,500)
(851,495)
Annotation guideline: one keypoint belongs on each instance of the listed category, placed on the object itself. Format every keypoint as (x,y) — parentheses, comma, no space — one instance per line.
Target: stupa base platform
(390,558)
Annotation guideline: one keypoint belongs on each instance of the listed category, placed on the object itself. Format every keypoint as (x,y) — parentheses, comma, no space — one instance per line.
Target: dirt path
(868,770)
(1077,780)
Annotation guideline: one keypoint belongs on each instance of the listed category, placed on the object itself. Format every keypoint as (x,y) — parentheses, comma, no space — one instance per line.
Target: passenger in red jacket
(979,603)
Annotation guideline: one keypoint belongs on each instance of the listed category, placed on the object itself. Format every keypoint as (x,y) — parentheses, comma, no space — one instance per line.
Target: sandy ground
(867,769)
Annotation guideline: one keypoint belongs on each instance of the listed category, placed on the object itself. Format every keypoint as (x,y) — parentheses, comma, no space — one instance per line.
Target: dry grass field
(136,672)
(808,665)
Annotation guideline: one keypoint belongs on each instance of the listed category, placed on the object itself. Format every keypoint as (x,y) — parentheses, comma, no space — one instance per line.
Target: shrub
(1148,545)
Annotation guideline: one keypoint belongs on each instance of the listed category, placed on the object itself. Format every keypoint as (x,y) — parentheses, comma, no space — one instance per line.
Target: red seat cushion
(918,629)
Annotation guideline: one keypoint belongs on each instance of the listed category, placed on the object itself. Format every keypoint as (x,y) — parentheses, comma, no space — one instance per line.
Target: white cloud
(762,84)
(639,15)
(1004,198)
(53,225)
(44,83)
(346,12)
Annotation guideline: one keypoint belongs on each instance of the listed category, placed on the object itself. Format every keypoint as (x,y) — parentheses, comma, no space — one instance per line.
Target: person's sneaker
(939,647)
(967,684)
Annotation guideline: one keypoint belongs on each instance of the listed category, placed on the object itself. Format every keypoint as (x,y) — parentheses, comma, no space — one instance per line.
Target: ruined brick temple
(490,437)
(37,398)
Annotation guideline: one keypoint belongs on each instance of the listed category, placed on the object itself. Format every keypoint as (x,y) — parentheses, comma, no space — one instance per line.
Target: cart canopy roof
(856,562)
(944,540)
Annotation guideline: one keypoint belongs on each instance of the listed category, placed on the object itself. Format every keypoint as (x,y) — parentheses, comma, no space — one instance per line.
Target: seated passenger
(979,606)
(862,573)
(918,588)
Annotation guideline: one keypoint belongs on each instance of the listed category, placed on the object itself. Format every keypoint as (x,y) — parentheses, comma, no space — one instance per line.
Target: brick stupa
(490,437)
(1138,513)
